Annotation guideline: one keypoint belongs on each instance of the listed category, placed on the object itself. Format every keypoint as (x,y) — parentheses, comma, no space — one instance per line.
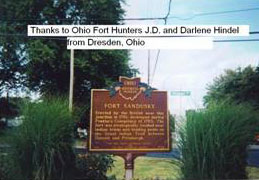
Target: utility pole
(71,84)
(148,68)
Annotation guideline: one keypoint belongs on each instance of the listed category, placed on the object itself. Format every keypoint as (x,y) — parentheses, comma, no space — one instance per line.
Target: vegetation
(147,168)
(253,172)
(11,56)
(157,168)
(10,106)
(213,142)
(6,136)
(172,122)
(88,167)
(240,86)
(8,168)
(41,148)
(42,64)
(43,143)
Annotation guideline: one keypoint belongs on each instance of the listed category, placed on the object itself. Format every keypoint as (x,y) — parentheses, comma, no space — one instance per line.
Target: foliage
(8,168)
(10,107)
(46,61)
(12,59)
(6,136)
(240,85)
(172,122)
(213,142)
(93,166)
(43,143)
(11,67)
(147,168)
(42,64)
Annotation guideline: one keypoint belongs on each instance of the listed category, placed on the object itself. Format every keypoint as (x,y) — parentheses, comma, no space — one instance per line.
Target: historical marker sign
(129,117)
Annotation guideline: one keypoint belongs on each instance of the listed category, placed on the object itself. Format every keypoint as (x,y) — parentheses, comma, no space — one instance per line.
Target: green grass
(80,142)
(147,168)
(158,168)
(253,173)
(43,143)
(213,142)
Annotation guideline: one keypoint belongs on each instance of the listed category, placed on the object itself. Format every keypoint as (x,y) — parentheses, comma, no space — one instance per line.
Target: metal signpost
(129,119)
(181,94)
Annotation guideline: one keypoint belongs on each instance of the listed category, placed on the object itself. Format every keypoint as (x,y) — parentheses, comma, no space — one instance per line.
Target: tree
(240,85)
(11,68)
(47,60)
(11,75)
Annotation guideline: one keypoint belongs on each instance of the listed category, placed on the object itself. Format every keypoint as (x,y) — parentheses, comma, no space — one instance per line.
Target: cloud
(191,70)
(194,69)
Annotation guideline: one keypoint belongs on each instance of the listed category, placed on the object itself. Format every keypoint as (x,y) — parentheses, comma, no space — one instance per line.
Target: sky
(193,70)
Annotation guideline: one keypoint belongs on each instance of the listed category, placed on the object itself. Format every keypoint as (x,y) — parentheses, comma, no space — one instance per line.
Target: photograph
(129,89)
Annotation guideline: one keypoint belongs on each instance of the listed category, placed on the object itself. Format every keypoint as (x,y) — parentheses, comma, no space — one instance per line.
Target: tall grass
(43,143)
(213,142)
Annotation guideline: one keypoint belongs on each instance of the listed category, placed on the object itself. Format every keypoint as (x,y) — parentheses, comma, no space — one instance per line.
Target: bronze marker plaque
(130,116)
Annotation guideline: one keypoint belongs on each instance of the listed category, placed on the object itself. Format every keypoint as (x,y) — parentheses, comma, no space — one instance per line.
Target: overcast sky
(193,70)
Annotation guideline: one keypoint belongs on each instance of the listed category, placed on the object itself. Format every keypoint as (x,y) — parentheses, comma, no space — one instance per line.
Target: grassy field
(158,168)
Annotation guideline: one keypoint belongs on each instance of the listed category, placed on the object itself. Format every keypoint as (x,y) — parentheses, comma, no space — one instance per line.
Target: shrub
(8,168)
(213,142)
(43,143)
(93,166)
